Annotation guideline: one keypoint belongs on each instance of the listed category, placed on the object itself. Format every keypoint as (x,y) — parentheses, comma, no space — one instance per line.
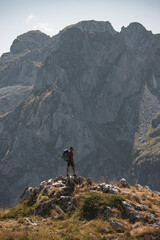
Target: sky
(51,16)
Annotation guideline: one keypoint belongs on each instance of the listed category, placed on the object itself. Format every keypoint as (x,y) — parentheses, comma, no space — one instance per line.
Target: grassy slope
(86,221)
(149,150)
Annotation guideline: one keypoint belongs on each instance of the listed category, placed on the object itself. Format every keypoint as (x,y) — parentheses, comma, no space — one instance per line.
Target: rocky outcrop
(85,209)
(90,87)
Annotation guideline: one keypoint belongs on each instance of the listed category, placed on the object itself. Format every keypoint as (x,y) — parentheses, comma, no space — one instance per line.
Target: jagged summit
(97,26)
(29,41)
(134,26)
(93,26)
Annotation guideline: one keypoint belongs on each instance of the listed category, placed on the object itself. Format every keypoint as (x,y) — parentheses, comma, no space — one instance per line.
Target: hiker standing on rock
(71,162)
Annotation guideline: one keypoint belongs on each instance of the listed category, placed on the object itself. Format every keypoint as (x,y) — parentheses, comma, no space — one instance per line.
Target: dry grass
(74,228)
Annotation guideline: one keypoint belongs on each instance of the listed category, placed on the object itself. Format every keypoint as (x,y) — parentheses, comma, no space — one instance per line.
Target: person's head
(71,149)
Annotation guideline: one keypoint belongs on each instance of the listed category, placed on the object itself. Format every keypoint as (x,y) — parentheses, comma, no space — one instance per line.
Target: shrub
(94,204)
(22,210)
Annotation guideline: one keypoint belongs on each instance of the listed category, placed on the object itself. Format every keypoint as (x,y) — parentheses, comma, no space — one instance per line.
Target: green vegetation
(150,148)
(21,210)
(94,204)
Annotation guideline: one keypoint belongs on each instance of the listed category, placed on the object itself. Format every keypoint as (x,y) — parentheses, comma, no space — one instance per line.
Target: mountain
(77,208)
(93,88)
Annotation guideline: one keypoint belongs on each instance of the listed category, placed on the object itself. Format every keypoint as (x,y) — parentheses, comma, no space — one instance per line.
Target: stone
(50,181)
(123,183)
(108,213)
(90,181)
(26,194)
(78,180)
(65,199)
(101,185)
(146,187)
(141,207)
(109,188)
(42,184)
(116,224)
(131,213)
(30,222)
(45,208)
(58,184)
(60,178)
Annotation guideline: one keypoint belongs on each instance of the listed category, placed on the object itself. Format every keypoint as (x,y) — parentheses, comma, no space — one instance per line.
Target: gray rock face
(88,85)
(11,97)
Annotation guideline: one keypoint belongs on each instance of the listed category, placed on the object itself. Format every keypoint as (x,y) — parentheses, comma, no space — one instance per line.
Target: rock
(65,199)
(127,207)
(70,183)
(101,185)
(123,183)
(30,222)
(60,178)
(58,184)
(42,184)
(138,186)
(146,187)
(140,207)
(152,218)
(44,208)
(50,181)
(136,198)
(108,188)
(116,224)
(90,181)
(108,213)
(26,195)
(131,213)
(78,180)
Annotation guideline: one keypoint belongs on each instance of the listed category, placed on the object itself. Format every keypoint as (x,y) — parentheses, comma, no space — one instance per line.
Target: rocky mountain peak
(29,41)
(96,26)
(78,208)
(134,27)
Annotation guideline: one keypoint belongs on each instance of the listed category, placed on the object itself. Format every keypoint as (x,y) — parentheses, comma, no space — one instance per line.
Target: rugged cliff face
(95,89)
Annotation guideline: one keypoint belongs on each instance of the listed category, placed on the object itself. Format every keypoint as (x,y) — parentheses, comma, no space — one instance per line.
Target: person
(70,162)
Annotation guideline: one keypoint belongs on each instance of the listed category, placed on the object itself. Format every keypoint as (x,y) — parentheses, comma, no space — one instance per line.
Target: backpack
(66,155)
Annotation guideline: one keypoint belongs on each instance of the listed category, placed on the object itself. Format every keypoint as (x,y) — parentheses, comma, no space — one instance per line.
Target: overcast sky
(50,16)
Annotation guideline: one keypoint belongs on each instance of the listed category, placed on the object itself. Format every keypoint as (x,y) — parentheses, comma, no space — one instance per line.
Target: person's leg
(73,169)
(67,170)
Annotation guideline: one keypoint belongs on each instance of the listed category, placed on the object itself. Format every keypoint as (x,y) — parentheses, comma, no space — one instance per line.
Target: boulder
(26,195)
(90,181)
(123,183)
(42,184)
(101,185)
(131,213)
(108,213)
(109,188)
(58,184)
(116,224)
(138,186)
(45,208)
(50,181)
(78,180)
(140,207)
